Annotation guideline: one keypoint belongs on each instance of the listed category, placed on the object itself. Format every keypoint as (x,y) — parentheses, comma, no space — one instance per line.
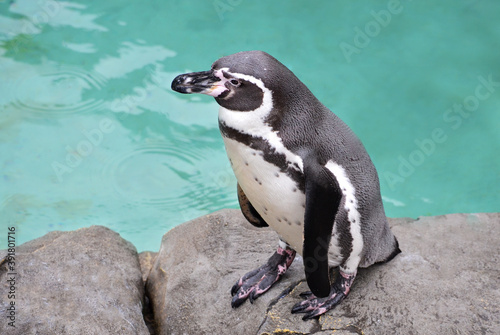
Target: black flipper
(249,211)
(323,196)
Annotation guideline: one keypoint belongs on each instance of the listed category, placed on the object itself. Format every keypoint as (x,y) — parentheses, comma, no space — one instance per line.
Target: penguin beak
(205,82)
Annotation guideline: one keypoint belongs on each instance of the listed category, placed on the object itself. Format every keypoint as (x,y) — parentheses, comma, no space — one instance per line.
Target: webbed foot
(314,307)
(257,282)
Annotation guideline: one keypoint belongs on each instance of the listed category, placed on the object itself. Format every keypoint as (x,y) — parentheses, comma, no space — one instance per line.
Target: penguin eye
(235,82)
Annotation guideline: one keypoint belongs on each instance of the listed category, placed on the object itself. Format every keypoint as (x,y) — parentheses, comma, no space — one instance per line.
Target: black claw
(252,297)
(298,308)
(235,288)
(236,302)
(309,316)
(306,294)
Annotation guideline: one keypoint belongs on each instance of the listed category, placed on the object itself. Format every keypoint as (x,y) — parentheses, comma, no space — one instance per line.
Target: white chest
(273,193)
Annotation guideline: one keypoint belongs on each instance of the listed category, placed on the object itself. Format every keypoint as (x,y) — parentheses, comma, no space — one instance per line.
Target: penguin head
(242,82)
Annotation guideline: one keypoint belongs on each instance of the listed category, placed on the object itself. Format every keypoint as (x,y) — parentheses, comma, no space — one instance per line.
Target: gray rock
(146,260)
(81,282)
(446,281)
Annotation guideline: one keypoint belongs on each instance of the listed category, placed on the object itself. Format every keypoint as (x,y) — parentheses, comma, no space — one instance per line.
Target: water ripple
(156,174)
(58,92)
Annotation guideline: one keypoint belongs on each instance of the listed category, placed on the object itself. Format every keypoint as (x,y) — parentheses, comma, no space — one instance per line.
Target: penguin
(301,171)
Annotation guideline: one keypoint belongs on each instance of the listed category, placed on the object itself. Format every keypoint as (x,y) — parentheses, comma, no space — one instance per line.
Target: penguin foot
(314,307)
(257,282)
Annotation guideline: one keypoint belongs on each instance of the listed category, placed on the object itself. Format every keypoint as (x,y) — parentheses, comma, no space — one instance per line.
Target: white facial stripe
(253,122)
(351,206)
(219,74)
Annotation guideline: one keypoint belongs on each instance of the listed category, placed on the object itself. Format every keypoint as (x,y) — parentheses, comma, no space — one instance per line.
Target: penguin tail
(395,252)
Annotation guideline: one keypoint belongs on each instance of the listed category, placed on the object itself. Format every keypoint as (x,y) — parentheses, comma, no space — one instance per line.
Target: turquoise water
(90,132)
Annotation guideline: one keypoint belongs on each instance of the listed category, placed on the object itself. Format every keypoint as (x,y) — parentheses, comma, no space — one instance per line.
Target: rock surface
(146,260)
(81,282)
(89,281)
(446,281)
